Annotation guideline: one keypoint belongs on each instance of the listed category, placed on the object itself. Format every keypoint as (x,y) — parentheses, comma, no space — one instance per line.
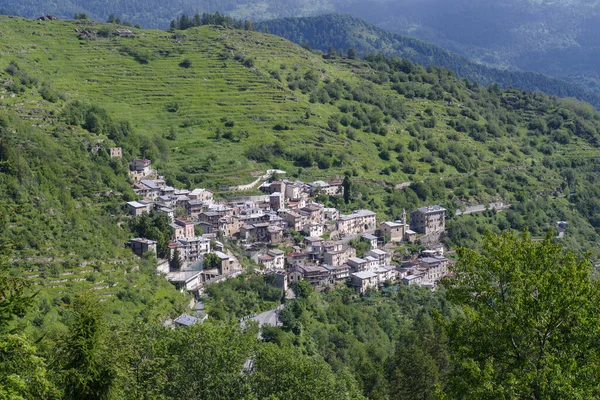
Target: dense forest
(518,320)
(343,32)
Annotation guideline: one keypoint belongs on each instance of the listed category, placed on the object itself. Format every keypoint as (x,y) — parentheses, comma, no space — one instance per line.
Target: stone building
(360,221)
(428,220)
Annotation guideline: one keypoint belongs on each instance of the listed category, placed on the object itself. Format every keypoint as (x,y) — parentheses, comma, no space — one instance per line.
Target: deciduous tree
(530,324)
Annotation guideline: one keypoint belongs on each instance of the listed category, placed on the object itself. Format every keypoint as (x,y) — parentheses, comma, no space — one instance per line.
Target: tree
(14,297)
(351,53)
(197,21)
(530,323)
(332,53)
(175,261)
(84,364)
(302,289)
(285,373)
(347,186)
(172,134)
(211,260)
(204,361)
(22,371)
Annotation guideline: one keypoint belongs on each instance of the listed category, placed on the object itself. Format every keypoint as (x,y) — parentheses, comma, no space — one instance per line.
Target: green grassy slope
(217,91)
(61,202)
(249,101)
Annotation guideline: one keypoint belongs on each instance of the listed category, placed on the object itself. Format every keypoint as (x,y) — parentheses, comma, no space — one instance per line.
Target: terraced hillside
(157,95)
(61,220)
(240,89)
(216,106)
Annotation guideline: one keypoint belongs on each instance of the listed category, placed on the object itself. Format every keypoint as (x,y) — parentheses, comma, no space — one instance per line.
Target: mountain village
(327,248)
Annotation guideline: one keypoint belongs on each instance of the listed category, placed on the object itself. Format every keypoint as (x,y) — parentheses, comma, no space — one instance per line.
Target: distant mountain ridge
(343,31)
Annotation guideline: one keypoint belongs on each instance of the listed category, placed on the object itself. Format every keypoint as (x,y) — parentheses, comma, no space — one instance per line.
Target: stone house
(137,208)
(410,280)
(294,191)
(435,268)
(313,229)
(428,220)
(276,201)
(141,246)
(191,249)
(357,264)
(386,273)
(337,274)
(295,221)
(371,239)
(139,169)
(193,208)
(294,259)
(266,261)
(314,274)
(151,188)
(169,212)
(313,213)
(227,263)
(331,214)
(115,152)
(360,221)
(273,187)
(337,258)
(211,218)
(183,228)
(394,231)
(364,280)
(383,258)
(229,226)
(278,258)
(275,234)
(281,280)
(203,195)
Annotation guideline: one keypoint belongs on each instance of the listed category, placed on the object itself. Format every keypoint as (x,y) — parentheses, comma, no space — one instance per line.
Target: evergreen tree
(347,186)
(184,22)
(197,21)
(175,261)
(83,365)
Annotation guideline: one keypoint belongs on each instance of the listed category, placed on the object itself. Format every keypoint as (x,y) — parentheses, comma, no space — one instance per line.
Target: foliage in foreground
(530,322)
(518,320)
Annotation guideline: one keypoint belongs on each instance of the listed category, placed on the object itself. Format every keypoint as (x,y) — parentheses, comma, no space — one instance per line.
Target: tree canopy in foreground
(530,323)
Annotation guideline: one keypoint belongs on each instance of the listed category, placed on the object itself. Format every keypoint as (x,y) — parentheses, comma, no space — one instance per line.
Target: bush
(186,63)
(281,127)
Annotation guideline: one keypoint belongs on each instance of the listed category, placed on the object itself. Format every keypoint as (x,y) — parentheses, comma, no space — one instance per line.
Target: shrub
(186,63)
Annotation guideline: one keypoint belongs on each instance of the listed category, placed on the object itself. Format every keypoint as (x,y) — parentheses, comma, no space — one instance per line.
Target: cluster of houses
(265,224)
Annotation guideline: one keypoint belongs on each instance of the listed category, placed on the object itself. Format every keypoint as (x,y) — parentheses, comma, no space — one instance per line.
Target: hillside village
(327,248)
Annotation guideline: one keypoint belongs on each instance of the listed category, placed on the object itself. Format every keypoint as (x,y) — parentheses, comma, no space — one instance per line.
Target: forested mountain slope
(343,32)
